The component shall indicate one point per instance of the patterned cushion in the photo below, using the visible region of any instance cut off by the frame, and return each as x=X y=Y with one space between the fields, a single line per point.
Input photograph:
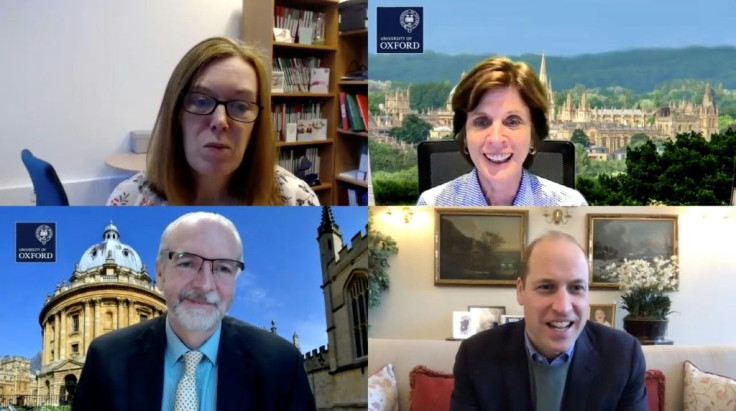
x=654 y=384
x=383 y=391
x=430 y=390
x=706 y=391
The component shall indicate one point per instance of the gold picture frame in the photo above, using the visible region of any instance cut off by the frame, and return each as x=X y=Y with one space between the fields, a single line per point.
x=604 y=314
x=615 y=237
x=479 y=246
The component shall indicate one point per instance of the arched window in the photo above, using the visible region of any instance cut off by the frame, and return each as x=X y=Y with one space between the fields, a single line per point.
x=358 y=292
x=108 y=320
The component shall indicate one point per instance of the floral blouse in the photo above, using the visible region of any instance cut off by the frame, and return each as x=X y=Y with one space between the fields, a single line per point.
x=137 y=191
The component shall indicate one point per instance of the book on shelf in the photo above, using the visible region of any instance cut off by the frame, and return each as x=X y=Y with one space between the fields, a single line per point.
x=364 y=163
x=297 y=72
x=362 y=101
x=302 y=162
x=354 y=116
x=306 y=25
x=343 y=111
x=357 y=196
x=285 y=118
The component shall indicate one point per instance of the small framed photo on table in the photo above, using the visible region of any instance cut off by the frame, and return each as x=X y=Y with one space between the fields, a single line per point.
x=487 y=317
x=511 y=318
x=463 y=324
x=602 y=314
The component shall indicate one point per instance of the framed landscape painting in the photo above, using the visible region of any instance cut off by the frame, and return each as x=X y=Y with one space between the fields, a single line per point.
x=614 y=238
x=479 y=247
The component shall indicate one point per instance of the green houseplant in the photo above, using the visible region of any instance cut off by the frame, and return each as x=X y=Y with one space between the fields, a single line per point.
x=380 y=248
x=644 y=286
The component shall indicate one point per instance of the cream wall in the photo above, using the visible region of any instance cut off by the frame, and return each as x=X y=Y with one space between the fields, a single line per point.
x=78 y=75
x=414 y=308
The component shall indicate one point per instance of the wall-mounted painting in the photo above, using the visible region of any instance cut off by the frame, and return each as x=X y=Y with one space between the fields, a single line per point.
x=478 y=247
x=614 y=238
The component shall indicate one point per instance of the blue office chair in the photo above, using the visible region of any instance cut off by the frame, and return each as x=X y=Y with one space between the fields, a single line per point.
x=46 y=183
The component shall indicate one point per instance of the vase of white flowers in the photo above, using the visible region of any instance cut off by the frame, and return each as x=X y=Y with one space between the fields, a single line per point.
x=643 y=285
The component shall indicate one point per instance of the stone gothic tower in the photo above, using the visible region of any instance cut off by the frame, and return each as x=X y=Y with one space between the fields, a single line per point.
x=708 y=114
x=329 y=239
x=547 y=83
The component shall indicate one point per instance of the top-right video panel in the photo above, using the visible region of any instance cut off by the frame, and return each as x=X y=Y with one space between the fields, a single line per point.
x=552 y=104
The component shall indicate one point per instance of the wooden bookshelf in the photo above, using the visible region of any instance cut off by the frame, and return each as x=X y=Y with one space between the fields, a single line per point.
x=352 y=53
x=257 y=29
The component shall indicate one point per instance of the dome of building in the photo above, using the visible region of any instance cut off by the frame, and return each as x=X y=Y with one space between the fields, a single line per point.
x=110 y=248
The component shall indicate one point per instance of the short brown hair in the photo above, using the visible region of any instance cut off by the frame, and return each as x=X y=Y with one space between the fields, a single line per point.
x=497 y=72
x=551 y=235
x=171 y=177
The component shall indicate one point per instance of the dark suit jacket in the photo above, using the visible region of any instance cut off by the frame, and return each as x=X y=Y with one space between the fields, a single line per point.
x=124 y=370
x=606 y=372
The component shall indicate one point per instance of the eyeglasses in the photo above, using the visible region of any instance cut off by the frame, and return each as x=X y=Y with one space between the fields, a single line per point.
x=238 y=110
x=190 y=264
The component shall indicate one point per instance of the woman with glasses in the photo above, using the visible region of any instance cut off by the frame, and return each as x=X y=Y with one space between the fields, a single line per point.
x=212 y=143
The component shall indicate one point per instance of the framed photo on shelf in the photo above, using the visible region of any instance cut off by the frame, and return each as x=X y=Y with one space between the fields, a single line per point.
x=479 y=247
x=603 y=314
x=613 y=238
x=277 y=82
x=487 y=317
x=463 y=324
x=511 y=318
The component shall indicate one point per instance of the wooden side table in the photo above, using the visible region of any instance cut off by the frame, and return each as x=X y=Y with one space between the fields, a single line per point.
x=127 y=161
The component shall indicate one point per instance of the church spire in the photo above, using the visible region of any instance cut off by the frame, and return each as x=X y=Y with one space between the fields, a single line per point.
x=328 y=224
x=707 y=96
x=543 y=71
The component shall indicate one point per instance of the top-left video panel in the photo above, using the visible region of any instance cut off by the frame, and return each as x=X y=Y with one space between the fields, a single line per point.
x=256 y=103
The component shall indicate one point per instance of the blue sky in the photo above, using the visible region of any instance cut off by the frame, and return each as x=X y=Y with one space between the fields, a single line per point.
x=566 y=27
x=281 y=280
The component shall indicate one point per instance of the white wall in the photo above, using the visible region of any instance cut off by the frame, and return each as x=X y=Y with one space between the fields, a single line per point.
x=414 y=308
x=78 y=75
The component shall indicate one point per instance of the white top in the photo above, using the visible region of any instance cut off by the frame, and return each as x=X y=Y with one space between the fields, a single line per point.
x=533 y=191
x=137 y=191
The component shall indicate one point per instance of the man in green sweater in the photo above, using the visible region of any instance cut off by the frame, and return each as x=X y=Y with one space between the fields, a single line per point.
x=553 y=359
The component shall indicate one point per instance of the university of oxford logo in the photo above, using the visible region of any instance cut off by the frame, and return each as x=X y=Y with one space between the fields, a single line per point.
x=44 y=234
x=409 y=20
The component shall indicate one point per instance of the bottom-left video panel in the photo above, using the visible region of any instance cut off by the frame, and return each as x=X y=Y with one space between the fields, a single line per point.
x=131 y=308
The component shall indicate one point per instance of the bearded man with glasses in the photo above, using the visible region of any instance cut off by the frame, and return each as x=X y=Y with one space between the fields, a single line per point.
x=195 y=357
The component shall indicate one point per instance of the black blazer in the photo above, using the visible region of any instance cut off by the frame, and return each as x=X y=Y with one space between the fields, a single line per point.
x=606 y=373
x=124 y=370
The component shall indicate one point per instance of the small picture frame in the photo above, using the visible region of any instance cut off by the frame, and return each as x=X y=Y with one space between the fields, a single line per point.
x=463 y=324
x=505 y=319
x=487 y=317
x=604 y=314
x=277 y=82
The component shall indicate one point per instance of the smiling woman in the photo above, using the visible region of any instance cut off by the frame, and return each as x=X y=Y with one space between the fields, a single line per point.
x=500 y=115
x=204 y=154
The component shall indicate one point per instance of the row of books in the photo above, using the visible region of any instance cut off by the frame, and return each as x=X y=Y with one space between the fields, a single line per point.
x=298 y=122
x=302 y=162
x=301 y=23
x=362 y=173
x=299 y=75
x=357 y=196
x=353 y=111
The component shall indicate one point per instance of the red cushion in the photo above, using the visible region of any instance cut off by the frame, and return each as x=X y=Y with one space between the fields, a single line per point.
x=655 y=390
x=430 y=390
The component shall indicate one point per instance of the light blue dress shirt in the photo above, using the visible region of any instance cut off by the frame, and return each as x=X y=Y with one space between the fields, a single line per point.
x=206 y=376
x=539 y=358
x=533 y=191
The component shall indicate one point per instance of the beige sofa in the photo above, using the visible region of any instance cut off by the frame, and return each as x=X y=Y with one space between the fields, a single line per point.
x=440 y=356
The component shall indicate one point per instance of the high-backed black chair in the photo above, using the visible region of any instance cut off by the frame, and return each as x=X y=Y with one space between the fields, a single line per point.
x=46 y=183
x=441 y=161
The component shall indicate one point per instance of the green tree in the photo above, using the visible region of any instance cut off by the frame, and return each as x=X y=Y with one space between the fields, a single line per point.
x=689 y=171
x=638 y=139
x=579 y=137
x=385 y=157
x=429 y=95
x=374 y=99
x=413 y=129
x=724 y=121
x=397 y=188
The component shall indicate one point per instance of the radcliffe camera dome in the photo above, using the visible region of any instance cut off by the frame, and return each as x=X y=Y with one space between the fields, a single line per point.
x=110 y=248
